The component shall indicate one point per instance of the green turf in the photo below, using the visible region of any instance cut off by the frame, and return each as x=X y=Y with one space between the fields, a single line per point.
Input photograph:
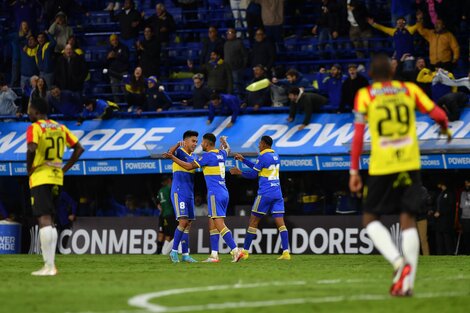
x=104 y=283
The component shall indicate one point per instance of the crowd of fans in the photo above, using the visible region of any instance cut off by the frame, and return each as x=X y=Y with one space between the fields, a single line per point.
x=136 y=62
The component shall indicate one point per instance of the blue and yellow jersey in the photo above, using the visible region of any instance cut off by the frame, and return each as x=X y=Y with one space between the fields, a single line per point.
x=183 y=180
x=213 y=167
x=267 y=165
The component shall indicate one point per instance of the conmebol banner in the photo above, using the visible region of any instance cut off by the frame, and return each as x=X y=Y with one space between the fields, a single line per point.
x=327 y=134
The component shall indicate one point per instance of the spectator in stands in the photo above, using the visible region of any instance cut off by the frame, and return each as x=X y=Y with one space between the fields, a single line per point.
x=73 y=42
x=201 y=93
x=402 y=36
x=272 y=14
x=443 y=46
x=253 y=19
x=210 y=43
x=331 y=85
x=135 y=89
x=148 y=51
x=18 y=41
x=438 y=90
x=359 y=29
x=157 y=99
x=259 y=97
x=129 y=20
x=308 y=103
x=328 y=25
x=68 y=7
x=64 y=102
x=224 y=104
x=28 y=66
x=97 y=109
x=162 y=23
x=402 y=9
x=60 y=31
x=40 y=91
x=218 y=73
x=464 y=217
x=45 y=56
x=236 y=57
x=200 y=206
x=350 y=86
x=117 y=63
x=28 y=89
x=444 y=220
x=7 y=99
x=293 y=79
x=70 y=71
x=263 y=51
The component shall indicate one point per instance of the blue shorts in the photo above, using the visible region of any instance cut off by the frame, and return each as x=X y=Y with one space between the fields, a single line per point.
x=264 y=205
x=183 y=206
x=217 y=204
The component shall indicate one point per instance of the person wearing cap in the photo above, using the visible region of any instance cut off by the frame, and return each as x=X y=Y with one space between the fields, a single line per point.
x=117 y=64
x=260 y=97
x=224 y=104
x=60 y=31
x=331 y=85
x=157 y=99
x=350 y=86
x=148 y=52
x=97 y=108
x=201 y=93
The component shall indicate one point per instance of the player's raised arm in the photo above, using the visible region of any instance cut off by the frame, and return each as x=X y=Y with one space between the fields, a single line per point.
x=173 y=149
x=187 y=166
x=224 y=144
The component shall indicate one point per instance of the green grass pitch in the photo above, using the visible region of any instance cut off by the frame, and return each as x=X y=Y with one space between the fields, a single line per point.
x=261 y=284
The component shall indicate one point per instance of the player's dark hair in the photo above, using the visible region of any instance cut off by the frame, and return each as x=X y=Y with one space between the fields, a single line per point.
x=190 y=133
x=381 y=67
x=40 y=105
x=267 y=140
x=210 y=137
x=294 y=91
x=214 y=96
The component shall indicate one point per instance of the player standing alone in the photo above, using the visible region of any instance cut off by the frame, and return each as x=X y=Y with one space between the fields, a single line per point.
x=212 y=163
x=46 y=141
x=269 y=199
x=394 y=182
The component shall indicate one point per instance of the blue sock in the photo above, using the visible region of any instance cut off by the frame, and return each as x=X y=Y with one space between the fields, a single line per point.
x=215 y=236
x=227 y=235
x=185 y=243
x=284 y=238
x=177 y=238
x=250 y=235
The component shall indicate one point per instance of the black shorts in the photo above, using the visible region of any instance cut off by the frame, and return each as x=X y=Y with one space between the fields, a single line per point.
x=393 y=193
x=43 y=199
x=169 y=225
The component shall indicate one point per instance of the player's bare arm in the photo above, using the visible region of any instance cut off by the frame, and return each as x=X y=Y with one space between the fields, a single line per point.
x=187 y=166
x=77 y=152
x=235 y=171
x=30 y=154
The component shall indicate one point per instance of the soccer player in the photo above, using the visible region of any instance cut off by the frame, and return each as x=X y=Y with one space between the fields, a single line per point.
x=212 y=163
x=182 y=194
x=269 y=199
x=46 y=140
x=167 y=219
x=394 y=182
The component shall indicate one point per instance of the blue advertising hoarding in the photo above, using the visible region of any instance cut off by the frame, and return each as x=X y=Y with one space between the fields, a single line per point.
x=124 y=146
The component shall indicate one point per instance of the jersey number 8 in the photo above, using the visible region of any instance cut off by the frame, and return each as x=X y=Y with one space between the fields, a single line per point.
x=222 y=169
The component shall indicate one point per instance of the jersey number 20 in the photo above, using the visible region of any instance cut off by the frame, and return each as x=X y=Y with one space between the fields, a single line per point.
x=55 y=148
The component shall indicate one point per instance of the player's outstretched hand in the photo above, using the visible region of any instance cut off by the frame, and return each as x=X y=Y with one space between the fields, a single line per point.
x=167 y=155
x=355 y=183
x=448 y=133
x=235 y=171
x=239 y=157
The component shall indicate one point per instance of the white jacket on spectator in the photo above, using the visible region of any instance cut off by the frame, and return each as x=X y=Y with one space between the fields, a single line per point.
x=7 y=101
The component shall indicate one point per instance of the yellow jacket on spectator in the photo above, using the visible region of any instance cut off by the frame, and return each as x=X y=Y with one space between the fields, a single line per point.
x=443 y=46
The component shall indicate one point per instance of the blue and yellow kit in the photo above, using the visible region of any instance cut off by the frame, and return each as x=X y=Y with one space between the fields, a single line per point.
x=182 y=187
